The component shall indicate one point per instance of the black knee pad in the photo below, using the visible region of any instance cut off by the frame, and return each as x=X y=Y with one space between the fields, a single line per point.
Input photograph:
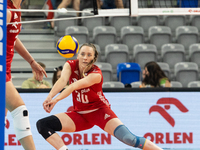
x=47 y=126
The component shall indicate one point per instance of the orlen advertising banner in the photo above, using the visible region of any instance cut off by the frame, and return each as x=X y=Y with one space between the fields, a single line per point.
x=169 y=119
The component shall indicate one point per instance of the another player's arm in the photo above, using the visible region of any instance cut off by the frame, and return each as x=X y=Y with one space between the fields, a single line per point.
x=21 y=49
x=88 y=81
x=8 y=16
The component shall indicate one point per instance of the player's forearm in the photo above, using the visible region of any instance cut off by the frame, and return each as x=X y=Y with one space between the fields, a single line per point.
x=65 y=93
x=58 y=86
x=20 y=48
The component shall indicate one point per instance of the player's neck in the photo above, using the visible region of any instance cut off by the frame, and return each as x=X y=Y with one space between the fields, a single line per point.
x=83 y=71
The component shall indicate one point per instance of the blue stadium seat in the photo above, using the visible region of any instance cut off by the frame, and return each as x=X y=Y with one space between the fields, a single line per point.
x=128 y=72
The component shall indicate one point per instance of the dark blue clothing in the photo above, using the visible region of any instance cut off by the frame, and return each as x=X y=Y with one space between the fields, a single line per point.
x=108 y=4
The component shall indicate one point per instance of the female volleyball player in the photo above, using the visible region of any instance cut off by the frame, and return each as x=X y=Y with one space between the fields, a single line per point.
x=90 y=105
x=153 y=76
x=14 y=102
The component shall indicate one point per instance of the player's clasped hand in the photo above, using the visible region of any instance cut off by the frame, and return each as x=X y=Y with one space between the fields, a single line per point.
x=48 y=104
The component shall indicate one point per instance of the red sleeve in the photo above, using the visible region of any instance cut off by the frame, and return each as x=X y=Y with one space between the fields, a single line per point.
x=97 y=70
x=72 y=64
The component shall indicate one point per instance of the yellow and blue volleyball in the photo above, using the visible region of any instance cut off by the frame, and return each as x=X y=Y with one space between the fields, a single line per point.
x=67 y=46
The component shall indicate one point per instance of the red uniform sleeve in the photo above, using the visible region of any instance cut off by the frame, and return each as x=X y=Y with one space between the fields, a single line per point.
x=72 y=64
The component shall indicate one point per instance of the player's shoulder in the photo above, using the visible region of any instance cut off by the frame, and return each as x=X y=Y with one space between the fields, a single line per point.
x=96 y=69
x=72 y=61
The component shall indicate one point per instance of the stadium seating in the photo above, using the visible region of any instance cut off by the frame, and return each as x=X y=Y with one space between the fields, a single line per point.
x=91 y=23
x=174 y=21
x=147 y=30
x=128 y=72
x=172 y=54
x=159 y=35
x=60 y=25
x=195 y=21
x=51 y=60
x=104 y=35
x=143 y=53
x=106 y=69
x=194 y=53
x=193 y=84
x=142 y=4
x=37 y=40
x=42 y=49
x=146 y=22
x=131 y=36
x=113 y=84
x=79 y=32
x=186 y=72
x=118 y=22
x=187 y=35
x=136 y=84
x=175 y=84
x=115 y=54
x=163 y=3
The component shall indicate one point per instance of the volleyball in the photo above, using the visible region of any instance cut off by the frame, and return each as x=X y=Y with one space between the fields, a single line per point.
x=67 y=46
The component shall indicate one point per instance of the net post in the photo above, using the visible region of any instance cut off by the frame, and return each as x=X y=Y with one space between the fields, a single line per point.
x=2 y=69
x=134 y=8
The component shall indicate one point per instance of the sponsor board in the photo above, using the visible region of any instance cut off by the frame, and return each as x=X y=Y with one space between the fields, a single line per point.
x=169 y=119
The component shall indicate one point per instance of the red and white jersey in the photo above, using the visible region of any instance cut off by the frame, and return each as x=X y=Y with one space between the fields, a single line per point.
x=12 y=32
x=89 y=98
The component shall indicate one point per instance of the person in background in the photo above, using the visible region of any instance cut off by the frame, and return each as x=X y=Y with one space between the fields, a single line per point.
x=84 y=4
x=153 y=76
x=61 y=4
x=102 y=4
x=65 y=3
x=34 y=83
x=56 y=74
x=111 y=4
x=90 y=106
